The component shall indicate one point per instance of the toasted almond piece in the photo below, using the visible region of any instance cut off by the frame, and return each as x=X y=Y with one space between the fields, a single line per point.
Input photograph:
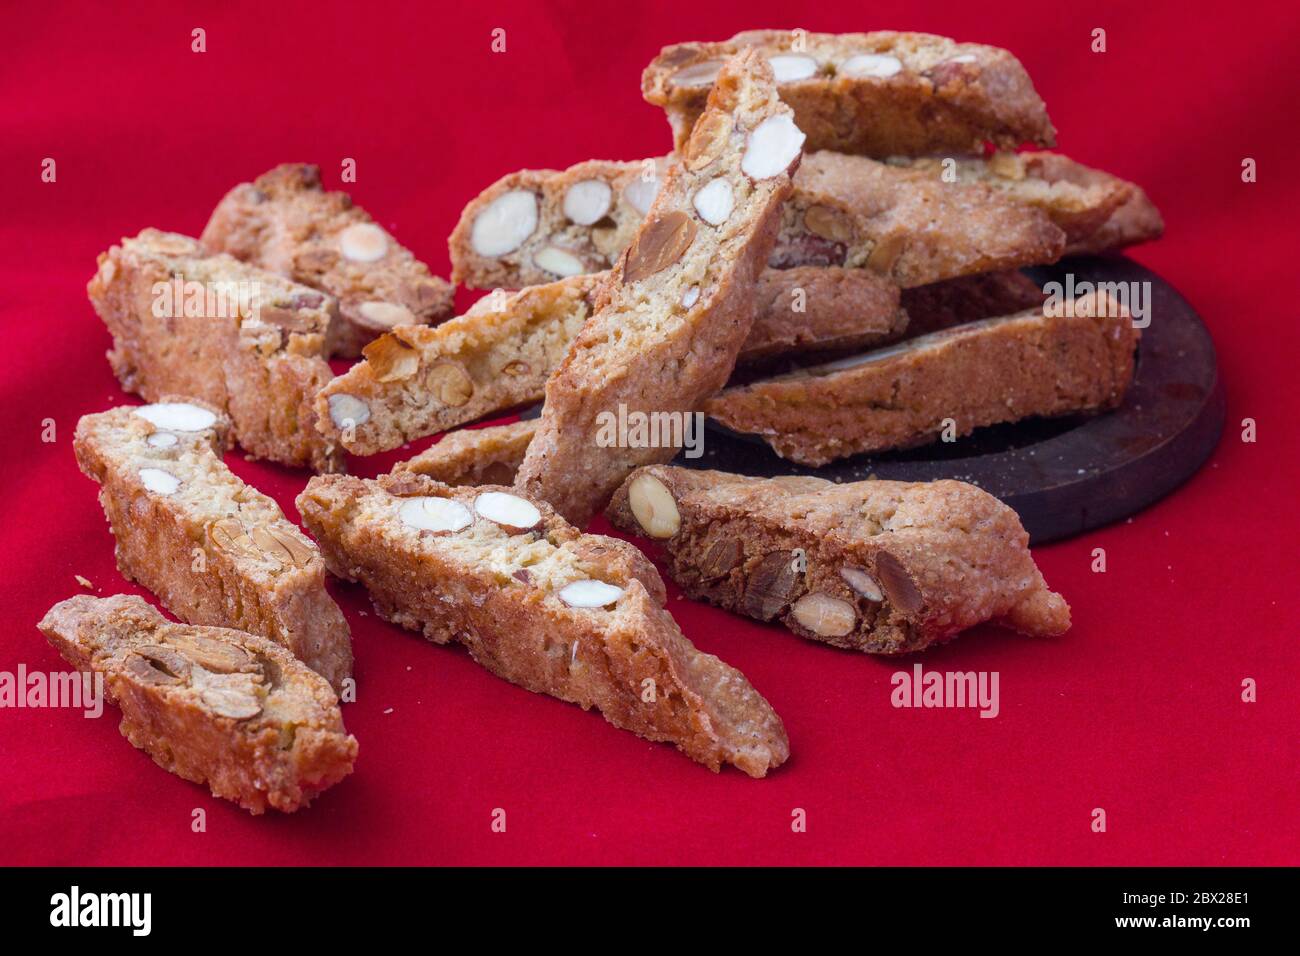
x=450 y=384
x=363 y=242
x=886 y=252
x=653 y=506
x=281 y=547
x=792 y=67
x=861 y=582
x=158 y=481
x=690 y=296
x=435 y=514
x=772 y=585
x=697 y=74
x=513 y=513
x=386 y=313
x=558 y=262
x=235 y=703
x=773 y=147
x=714 y=201
x=391 y=359
x=587 y=202
x=177 y=416
x=658 y=245
x=708 y=139
x=640 y=193
x=590 y=594
x=879 y=65
x=504 y=225
x=230 y=536
x=722 y=555
x=828 y=223
x=164 y=665
x=824 y=615
x=216 y=656
x=162 y=440
x=898 y=584
x=348 y=410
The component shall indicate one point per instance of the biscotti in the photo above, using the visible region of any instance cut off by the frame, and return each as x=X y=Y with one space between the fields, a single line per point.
x=214 y=550
x=475 y=456
x=285 y=222
x=946 y=383
x=578 y=617
x=187 y=322
x=876 y=94
x=1136 y=220
x=885 y=567
x=417 y=381
x=676 y=309
x=215 y=706
x=905 y=224
x=1077 y=198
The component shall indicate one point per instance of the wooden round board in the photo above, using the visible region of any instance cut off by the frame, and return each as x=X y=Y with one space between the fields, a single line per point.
x=1063 y=476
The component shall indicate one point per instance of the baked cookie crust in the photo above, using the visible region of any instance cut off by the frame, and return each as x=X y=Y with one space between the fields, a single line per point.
x=215 y=551
x=579 y=617
x=212 y=705
x=884 y=567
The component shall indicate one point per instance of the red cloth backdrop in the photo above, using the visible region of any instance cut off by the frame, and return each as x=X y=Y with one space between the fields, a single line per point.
x=1136 y=710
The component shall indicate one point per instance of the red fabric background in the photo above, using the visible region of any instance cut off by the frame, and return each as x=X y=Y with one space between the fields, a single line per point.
x=1136 y=710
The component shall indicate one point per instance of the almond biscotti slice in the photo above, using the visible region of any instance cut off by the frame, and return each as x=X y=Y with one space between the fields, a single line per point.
x=1079 y=199
x=907 y=224
x=474 y=456
x=982 y=373
x=875 y=94
x=678 y=306
x=187 y=322
x=212 y=705
x=213 y=549
x=576 y=616
x=284 y=221
x=418 y=381
x=884 y=567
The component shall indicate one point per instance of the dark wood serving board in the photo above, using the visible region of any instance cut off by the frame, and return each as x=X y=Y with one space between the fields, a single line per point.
x=1063 y=476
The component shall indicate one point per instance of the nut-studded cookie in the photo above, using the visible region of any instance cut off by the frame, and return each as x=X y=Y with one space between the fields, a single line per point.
x=214 y=550
x=884 y=567
x=285 y=222
x=576 y=616
x=1037 y=362
x=875 y=94
x=215 y=706
x=678 y=306
x=187 y=322
x=417 y=381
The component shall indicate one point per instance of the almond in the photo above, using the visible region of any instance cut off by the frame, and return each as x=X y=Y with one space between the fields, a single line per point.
x=390 y=359
x=659 y=244
x=439 y=515
x=587 y=202
x=653 y=506
x=590 y=594
x=213 y=655
x=504 y=225
x=177 y=416
x=156 y=665
x=861 y=582
x=511 y=512
x=280 y=546
x=772 y=585
x=824 y=615
x=450 y=384
x=897 y=584
x=828 y=223
x=708 y=139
